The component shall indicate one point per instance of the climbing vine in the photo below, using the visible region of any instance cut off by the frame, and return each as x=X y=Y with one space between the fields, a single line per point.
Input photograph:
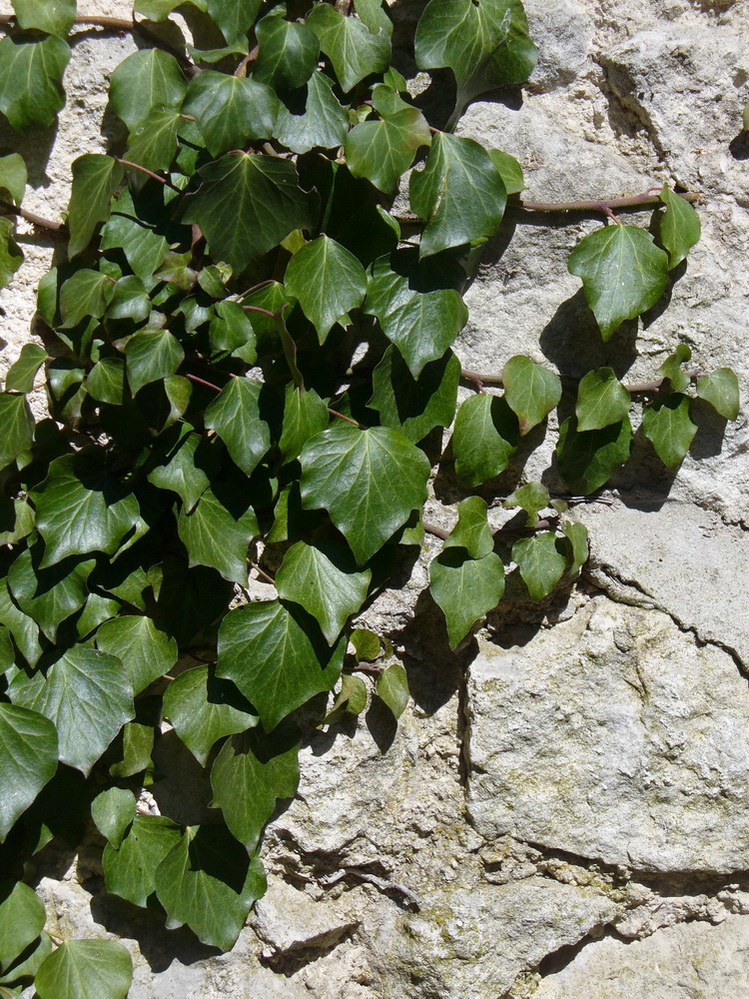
x=246 y=344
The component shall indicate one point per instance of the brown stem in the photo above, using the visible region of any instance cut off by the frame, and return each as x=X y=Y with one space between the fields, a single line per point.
x=438 y=532
x=256 y=308
x=202 y=381
x=149 y=173
x=605 y=206
x=479 y=380
x=8 y=209
x=251 y=56
x=348 y=419
x=263 y=575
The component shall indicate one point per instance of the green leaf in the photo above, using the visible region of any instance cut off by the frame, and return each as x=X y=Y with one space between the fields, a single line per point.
x=351 y=700
x=13 y=177
x=532 y=497
x=415 y=405
x=28 y=964
x=11 y=254
x=484 y=42
x=233 y=17
x=235 y=416
x=49 y=596
x=309 y=578
x=22 y=372
x=23 y=629
x=153 y=142
x=273 y=660
x=472 y=531
x=31 y=71
x=22 y=919
x=204 y=709
x=465 y=589
x=680 y=227
x=208 y=882
x=137 y=747
x=352 y=48
x=323 y=123
x=327 y=281
x=422 y=325
x=145 y=651
x=288 y=53
x=671 y=368
x=147 y=79
x=17 y=427
x=392 y=688
x=577 y=535
x=485 y=438
x=80 y=969
x=369 y=481
x=231 y=111
x=95 y=179
x=721 y=390
x=232 y=330
x=16 y=520
x=143 y=247
x=383 y=150
x=219 y=537
x=152 y=355
x=247 y=205
x=157 y=10
x=509 y=170
x=251 y=773
x=54 y=17
x=28 y=759
x=113 y=811
x=88 y=697
x=588 y=459
x=130 y=300
x=86 y=293
x=623 y=273
x=304 y=415
x=106 y=381
x=185 y=467
x=459 y=193
x=531 y=391
x=130 y=868
x=666 y=423
x=540 y=562
x=601 y=400
x=81 y=509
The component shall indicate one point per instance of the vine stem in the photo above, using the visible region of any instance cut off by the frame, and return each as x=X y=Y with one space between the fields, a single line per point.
x=149 y=173
x=8 y=209
x=348 y=419
x=605 y=206
x=202 y=381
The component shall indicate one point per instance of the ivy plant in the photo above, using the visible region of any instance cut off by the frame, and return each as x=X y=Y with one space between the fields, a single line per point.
x=248 y=359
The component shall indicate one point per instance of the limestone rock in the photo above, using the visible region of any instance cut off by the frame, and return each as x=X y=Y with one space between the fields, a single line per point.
x=562 y=31
x=288 y=920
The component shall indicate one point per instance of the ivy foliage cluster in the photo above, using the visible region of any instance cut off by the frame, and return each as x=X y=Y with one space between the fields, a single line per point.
x=248 y=356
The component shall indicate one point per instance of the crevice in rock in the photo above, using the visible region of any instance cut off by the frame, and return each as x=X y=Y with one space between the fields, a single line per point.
x=626 y=115
x=290 y=962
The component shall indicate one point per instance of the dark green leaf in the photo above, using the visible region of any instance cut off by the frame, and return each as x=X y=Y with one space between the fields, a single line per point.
x=54 y=17
x=588 y=459
x=22 y=918
x=623 y=273
x=148 y=79
x=304 y=415
x=532 y=497
x=383 y=150
x=106 y=381
x=113 y=811
x=577 y=535
x=672 y=368
x=95 y=179
x=392 y=688
x=485 y=438
x=415 y=405
x=509 y=170
x=218 y=537
x=231 y=111
x=13 y=177
x=184 y=468
x=80 y=969
x=153 y=142
x=145 y=651
x=234 y=17
x=369 y=481
x=49 y=596
x=273 y=660
x=232 y=330
x=601 y=400
x=288 y=53
x=137 y=747
x=31 y=70
x=667 y=424
x=324 y=123
x=721 y=390
x=23 y=628
x=22 y=372
x=540 y=562
x=531 y=391
x=28 y=759
x=130 y=869
x=465 y=589
x=351 y=700
x=17 y=427
x=143 y=247
x=130 y=300
x=11 y=254
x=29 y=963
x=680 y=227
x=157 y=10
x=250 y=774
x=235 y=417
x=472 y=530
x=327 y=281
x=16 y=520
x=352 y=48
x=86 y=293
x=151 y=355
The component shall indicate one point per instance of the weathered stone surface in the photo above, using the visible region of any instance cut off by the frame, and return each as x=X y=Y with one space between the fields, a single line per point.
x=612 y=737
x=287 y=920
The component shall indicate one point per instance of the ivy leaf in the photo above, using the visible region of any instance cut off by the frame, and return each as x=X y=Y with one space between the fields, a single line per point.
x=16 y=520
x=204 y=709
x=106 y=381
x=79 y=969
x=369 y=481
x=54 y=17
x=113 y=811
x=130 y=868
x=153 y=142
x=309 y=578
x=577 y=535
x=680 y=227
x=233 y=17
x=601 y=400
x=95 y=179
x=142 y=245
x=231 y=111
x=288 y=53
x=327 y=281
x=304 y=415
x=485 y=438
x=158 y=10
x=81 y=509
x=88 y=697
x=392 y=689
x=184 y=468
x=383 y=150
x=623 y=273
x=666 y=423
x=532 y=497
x=130 y=300
x=18 y=427
x=23 y=629
x=251 y=773
x=31 y=71
x=219 y=537
x=137 y=747
x=351 y=700
x=459 y=193
x=465 y=589
x=588 y=459
x=273 y=660
x=86 y=294
x=415 y=405
x=11 y=254
x=352 y=48
x=540 y=562
x=485 y=43
x=150 y=356
x=235 y=417
x=146 y=80
x=509 y=170
x=22 y=372
x=13 y=177
x=247 y=205
x=472 y=531
x=531 y=391
x=422 y=325
x=721 y=390
x=208 y=882
x=323 y=123
x=49 y=596
x=145 y=651
x=22 y=919
x=28 y=759
x=232 y=330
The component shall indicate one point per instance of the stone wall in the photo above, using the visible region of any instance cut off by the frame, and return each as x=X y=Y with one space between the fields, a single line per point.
x=562 y=812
